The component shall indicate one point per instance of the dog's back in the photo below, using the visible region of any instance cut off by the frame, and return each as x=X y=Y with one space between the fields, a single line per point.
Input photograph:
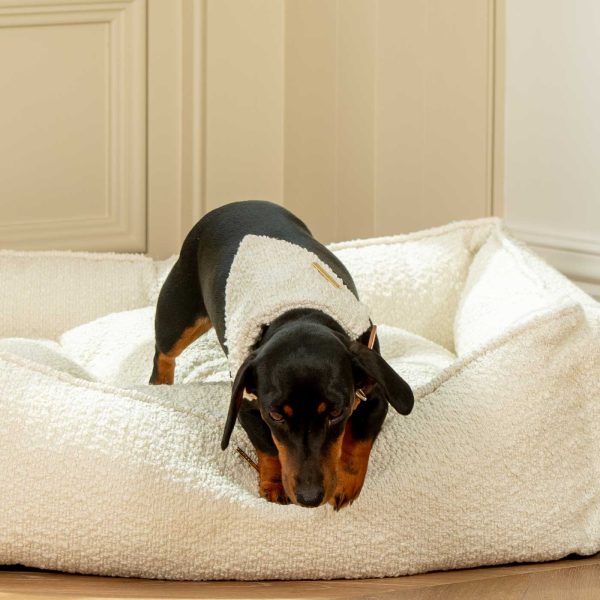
x=210 y=247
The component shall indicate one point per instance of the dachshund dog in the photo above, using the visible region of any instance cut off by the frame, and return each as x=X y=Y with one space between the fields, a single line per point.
x=311 y=397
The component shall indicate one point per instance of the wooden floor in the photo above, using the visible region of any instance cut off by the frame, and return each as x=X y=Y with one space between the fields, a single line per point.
x=577 y=579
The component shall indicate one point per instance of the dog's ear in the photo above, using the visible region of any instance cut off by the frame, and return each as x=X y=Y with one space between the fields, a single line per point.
x=370 y=369
x=244 y=379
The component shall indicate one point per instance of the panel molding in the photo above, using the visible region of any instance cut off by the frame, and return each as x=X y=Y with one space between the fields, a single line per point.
x=193 y=190
x=497 y=78
x=557 y=241
x=577 y=258
x=123 y=226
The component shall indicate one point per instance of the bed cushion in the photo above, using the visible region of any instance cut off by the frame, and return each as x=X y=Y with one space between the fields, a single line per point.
x=498 y=462
x=44 y=293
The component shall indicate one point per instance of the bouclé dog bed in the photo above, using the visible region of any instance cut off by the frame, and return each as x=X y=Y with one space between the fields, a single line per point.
x=498 y=462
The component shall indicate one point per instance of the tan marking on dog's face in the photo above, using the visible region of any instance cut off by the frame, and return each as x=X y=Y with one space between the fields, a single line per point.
x=289 y=470
x=329 y=465
x=321 y=408
x=288 y=410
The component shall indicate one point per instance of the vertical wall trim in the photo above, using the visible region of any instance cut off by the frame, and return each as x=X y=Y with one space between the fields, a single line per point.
x=146 y=152
x=374 y=211
x=164 y=193
x=498 y=124
x=284 y=24
x=336 y=144
x=489 y=193
x=202 y=82
x=176 y=104
x=193 y=114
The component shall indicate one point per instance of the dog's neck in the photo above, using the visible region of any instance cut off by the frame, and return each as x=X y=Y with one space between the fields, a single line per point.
x=292 y=317
x=311 y=315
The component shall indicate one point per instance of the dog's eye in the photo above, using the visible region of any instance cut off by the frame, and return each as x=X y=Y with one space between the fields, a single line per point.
x=335 y=416
x=277 y=417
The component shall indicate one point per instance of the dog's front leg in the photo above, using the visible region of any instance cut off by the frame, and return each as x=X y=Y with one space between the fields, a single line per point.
x=362 y=428
x=270 y=485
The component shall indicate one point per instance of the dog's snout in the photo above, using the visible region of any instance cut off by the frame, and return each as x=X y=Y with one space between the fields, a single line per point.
x=310 y=496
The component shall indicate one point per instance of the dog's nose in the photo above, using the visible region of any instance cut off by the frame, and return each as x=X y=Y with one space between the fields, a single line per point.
x=310 y=497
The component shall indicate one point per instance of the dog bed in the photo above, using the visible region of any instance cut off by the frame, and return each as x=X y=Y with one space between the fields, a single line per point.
x=498 y=462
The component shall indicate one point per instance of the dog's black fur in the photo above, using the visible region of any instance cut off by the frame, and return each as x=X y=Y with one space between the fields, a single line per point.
x=304 y=370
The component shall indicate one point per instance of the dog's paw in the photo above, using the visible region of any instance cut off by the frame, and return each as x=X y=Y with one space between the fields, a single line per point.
x=340 y=501
x=273 y=491
x=349 y=485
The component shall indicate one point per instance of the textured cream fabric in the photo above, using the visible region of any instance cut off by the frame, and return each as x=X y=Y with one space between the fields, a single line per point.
x=498 y=462
x=44 y=293
x=269 y=277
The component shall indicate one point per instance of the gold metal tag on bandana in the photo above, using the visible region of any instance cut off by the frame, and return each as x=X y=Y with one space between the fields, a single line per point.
x=325 y=274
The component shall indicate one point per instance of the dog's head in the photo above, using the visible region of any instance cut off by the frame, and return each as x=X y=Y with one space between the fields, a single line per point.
x=305 y=379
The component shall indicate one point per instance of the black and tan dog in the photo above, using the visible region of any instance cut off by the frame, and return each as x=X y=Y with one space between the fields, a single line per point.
x=298 y=394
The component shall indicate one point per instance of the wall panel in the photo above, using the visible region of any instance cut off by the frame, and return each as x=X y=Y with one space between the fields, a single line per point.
x=72 y=150
x=310 y=113
x=356 y=118
x=244 y=101
x=433 y=113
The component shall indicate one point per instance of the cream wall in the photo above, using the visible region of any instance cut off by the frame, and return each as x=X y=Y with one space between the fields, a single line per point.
x=552 y=157
x=388 y=108
x=365 y=117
